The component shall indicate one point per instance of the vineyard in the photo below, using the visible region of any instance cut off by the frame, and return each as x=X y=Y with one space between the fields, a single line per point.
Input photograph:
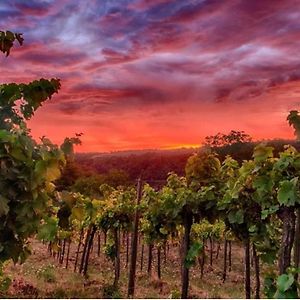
x=204 y=216
x=204 y=222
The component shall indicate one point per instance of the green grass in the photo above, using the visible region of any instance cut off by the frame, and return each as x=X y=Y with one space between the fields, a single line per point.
x=47 y=273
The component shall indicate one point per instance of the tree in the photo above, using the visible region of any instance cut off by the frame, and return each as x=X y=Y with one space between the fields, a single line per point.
x=233 y=137
x=90 y=185
x=294 y=120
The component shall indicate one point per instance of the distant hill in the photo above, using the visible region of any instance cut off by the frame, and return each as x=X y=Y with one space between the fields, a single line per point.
x=151 y=164
x=156 y=164
x=137 y=152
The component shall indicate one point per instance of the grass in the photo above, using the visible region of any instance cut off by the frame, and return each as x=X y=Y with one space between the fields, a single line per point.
x=43 y=277
x=47 y=273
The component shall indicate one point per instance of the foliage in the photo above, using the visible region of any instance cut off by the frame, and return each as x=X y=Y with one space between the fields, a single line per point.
x=204 y=230
x=27 y=168
x=294 y=120
x=233 y=137
x=164 y=210
x=27 y=172
x=90 y=185
x=70 y=174
x=48 y=229
x=117 y=208
x=31 y=96
x=154 y=165
x=284 y=286
x=7 y=39
x=192 y=254
x=202 y=168
x=110 y=248
x=68 y=145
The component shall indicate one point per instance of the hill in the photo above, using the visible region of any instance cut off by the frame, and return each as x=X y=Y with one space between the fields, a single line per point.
x=154 y=164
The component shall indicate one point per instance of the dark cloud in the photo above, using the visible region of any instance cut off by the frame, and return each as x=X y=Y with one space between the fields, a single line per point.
x=56 y=58
x=71 y=107
x=191 y=11
x=33 y=8
x=284 y=78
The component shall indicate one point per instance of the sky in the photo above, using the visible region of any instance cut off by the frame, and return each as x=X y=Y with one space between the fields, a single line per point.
x=139 y=74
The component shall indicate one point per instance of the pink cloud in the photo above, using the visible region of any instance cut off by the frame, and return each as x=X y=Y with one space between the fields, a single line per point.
x=145 y=74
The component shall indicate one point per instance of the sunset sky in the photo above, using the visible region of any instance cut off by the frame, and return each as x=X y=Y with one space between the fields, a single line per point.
x=157 y=73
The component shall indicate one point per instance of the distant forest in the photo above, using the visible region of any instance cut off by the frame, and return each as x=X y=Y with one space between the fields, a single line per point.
x=89 y=170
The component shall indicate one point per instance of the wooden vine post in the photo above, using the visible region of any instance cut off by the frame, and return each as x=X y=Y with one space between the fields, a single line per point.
x=188 y=221
x=134 y=244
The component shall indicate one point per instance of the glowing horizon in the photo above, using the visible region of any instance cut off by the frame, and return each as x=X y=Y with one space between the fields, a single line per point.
x=140 y=74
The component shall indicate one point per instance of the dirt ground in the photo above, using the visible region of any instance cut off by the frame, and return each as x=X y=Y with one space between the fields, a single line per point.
x=41 y=276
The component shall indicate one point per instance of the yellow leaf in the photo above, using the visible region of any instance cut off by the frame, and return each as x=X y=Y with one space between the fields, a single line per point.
x=53 y=171
x=78 y=213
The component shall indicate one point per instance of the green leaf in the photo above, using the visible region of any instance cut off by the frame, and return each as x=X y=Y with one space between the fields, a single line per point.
x=271 y=210
x=262 y=153
x=18 y=154
x=263 y=184
x=5 y=136
x=192 y=254
x=236 y=217
x=253 y=229
x=284 y=282
x=90 y=209
x=49 y=171
x=287 y=194
x=269 y=287
x=268 y=257
x=48 y=231
x=40 y=169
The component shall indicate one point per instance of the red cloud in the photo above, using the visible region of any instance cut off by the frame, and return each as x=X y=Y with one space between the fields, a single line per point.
x=158 y=73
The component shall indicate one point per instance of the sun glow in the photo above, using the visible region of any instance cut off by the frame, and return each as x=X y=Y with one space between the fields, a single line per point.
x=181 y=146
